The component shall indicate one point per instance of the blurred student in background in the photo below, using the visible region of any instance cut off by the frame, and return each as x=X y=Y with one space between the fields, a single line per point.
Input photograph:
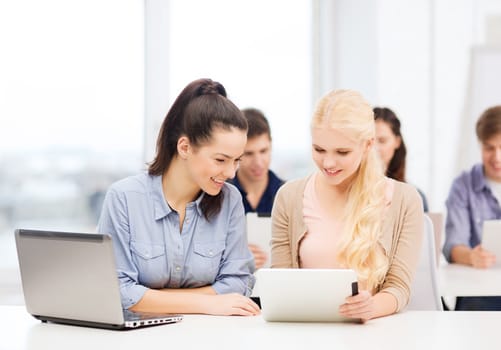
x=391 y=146
x=255 y=181
x=179 y=229
x=474 y=197
x=348 y=214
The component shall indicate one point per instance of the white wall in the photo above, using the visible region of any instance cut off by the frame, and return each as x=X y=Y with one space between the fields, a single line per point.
x=453 y=37
x=260 y=55
x=156 y=72
x=404 y=75
x=414 y=57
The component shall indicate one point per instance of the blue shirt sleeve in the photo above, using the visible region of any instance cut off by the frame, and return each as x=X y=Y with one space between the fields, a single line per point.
x=457 y=225
x=237 y=263
x=114 y=221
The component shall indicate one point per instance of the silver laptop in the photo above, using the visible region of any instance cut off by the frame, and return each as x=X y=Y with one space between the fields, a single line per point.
x=259 y=232
x=71 y=278
x=491 y=238
x=305 y=295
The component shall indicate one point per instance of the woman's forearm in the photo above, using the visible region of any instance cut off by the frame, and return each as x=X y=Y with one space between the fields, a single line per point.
x=175 y=300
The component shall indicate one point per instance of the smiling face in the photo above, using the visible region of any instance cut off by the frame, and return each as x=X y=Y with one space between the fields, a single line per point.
x=491 y=157
x=211 y=164
x=256 y=159
x=337 y=155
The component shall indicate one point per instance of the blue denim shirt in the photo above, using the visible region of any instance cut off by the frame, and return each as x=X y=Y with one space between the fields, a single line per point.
x=469 y=204
x=266 y=202
x=151 y=252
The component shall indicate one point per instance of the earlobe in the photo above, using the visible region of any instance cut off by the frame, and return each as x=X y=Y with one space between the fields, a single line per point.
x=183 y=147
x=399 y=142
x=370 y=144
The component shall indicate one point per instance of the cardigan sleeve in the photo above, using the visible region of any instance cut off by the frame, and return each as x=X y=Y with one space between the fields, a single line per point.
x=407 y=239
x=281 y=248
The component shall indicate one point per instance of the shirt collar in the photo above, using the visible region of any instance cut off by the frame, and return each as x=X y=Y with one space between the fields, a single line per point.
x=238 y=185
x=274 y=182
x=478 y=178
x=198 y=201
x=162 y=209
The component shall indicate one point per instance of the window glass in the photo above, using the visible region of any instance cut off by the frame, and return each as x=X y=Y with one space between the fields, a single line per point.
x=71 y=107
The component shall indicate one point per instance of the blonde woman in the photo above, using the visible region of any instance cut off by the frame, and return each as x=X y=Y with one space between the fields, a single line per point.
x=348 y=214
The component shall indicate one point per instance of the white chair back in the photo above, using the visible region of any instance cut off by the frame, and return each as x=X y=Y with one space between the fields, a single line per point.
x=437 y=220
x=425 y=293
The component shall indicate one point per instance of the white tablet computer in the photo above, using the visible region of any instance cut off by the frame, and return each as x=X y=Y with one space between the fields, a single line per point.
x=305 y=295
x=491 y=238
x=259 y=232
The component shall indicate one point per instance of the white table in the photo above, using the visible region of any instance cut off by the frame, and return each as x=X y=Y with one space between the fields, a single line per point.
x=462 y=280
x=408 y=330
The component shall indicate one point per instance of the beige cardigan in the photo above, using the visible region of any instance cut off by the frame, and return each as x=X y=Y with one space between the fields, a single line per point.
x=401 y=237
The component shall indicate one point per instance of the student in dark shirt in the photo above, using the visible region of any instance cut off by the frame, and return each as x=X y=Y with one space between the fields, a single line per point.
x=255 y=181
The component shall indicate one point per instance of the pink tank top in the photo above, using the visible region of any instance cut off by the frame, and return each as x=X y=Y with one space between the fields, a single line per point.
x=318 y=248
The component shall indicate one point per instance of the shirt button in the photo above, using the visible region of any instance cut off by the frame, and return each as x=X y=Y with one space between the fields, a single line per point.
x=178 y=268
x=211 y=253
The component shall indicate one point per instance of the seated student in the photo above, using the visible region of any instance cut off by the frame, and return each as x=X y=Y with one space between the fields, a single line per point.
x=348 y=214
x=391 y=147
x=255 y=181
x=179 y=229
x=474 y=197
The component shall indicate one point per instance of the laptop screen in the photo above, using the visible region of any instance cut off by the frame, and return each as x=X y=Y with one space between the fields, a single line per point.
x=70 y=276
